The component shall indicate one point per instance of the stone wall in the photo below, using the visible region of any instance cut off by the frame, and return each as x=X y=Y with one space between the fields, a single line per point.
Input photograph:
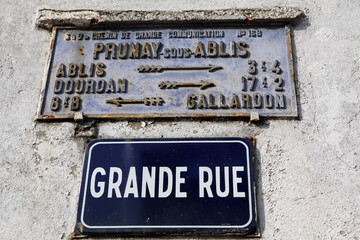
x=307 y=169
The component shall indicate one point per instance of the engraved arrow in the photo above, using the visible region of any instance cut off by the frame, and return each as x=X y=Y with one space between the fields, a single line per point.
x=152 y=68
x=175 y=85
x=147 y=101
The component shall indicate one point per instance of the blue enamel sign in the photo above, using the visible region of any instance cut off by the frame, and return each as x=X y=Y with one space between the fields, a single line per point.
x=167 y=186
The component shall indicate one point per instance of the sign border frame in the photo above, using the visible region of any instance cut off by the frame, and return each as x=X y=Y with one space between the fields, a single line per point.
x=249 y=187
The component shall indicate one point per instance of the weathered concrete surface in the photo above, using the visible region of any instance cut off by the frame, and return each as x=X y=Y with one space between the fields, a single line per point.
x=307 y=170
x=48 y=18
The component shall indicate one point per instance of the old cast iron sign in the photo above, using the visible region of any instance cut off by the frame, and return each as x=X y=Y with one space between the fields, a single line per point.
x=177 y=72
x=167 y=186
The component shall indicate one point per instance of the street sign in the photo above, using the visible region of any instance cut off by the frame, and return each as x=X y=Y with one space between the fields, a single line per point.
x=203 y=72
x=167 y=186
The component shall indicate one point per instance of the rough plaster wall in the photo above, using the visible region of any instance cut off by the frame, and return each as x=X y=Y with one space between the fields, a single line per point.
x=307 y=171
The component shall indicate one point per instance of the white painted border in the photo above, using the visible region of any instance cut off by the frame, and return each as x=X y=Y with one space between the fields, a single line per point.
x=170 y=226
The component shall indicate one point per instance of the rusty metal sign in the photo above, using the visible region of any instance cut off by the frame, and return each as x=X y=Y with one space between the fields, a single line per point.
x=170 y=72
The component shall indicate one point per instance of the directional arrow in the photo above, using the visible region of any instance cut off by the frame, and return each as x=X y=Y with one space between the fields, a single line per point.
x=174 y=85
x=147 y=101
x=152 y=69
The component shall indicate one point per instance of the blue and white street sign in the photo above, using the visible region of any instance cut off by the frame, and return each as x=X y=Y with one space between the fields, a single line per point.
x=167 y=186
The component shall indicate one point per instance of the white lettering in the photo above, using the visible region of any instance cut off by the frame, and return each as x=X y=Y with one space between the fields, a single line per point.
x=226 y=183
x=167 y=192
x=205 y=185
x=237 y=180
x=101 y=185
x=114 y=185
x=220 y=193
x=131 y=184
x=149 y=181
x=179 y=180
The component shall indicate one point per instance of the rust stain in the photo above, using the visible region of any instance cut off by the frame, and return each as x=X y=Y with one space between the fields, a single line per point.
x=53 y=40
x=87 y=141
x=288 y=36
x=95 y=20
x=81 y=49
x=253 y=141
x=52 y=46
x=155 y=116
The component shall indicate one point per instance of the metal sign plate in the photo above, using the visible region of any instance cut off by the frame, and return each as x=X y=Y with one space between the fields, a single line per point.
x=170 y=72
x=167 y=186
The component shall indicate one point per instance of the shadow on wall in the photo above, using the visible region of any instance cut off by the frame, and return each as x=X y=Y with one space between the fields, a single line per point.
x=260 y=210
x=302 y=24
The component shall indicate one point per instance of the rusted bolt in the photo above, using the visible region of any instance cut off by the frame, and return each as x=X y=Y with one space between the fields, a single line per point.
x=248 y=17
x=94 y=20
